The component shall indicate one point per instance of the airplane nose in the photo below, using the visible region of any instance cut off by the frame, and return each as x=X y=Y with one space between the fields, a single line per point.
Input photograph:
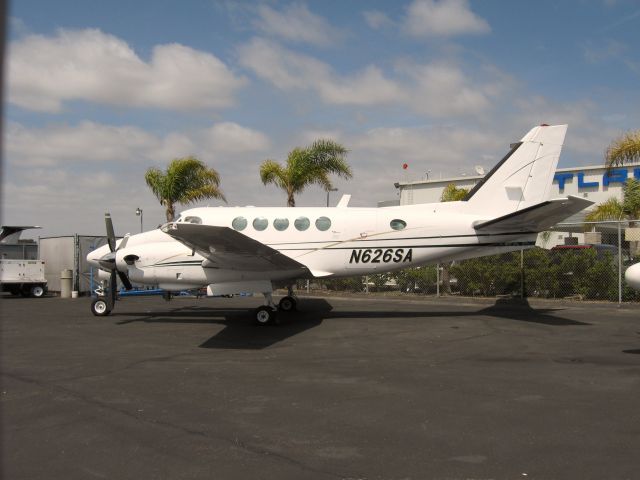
x=94 y=258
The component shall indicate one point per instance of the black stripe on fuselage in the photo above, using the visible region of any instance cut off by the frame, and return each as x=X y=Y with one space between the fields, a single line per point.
x=441 y=245
x=473 y=235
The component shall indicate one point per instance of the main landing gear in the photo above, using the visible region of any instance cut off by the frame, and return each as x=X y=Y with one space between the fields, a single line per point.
x=267 y=314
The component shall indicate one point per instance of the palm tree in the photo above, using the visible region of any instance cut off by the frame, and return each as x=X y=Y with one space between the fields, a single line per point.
x=185 y=180
x=453 y=194
x=614 y=209
x=609 y=210
x=306 y=166
x=624 y=149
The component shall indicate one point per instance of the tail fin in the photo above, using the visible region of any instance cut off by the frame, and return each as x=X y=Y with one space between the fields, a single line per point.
x=523 y=177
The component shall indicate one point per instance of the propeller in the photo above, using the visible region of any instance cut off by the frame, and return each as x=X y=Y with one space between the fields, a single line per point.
x=108 y=261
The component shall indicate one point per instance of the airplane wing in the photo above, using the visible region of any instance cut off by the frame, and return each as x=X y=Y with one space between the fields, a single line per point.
x=537 y=217
x=229 y=249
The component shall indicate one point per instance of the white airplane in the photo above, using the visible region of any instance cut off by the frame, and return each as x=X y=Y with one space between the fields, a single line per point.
x=632 y=276
x=249 y=249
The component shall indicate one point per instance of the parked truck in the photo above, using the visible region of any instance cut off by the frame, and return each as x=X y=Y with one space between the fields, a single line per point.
x=21 y=271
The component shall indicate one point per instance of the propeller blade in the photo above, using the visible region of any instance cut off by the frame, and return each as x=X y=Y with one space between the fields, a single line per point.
x=124 y=241
x=125 y=280
x=111 y=236
x=113 y=285
x=108 y=261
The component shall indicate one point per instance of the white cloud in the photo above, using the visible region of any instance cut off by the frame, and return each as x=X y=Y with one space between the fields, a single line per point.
x=86 y=168
x=436 y=89
x=229 y=137
x=444 y=90
x=287 y=70
x=89 y=65
x=377 y=19
x=443 y=18
x=296 y=23
x=91 y=143
x=587 y=138
x=86 y=142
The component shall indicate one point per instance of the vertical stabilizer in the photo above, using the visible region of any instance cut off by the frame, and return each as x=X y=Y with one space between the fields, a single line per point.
x=524 y=176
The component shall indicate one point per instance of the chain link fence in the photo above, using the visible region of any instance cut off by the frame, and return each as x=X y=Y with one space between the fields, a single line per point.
x=584 y=261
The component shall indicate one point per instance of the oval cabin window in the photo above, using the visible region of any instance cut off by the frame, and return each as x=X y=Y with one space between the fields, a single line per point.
x=398 y=224
x=302 y=223
x=239 y=223
x=260 y=223
x=281 y=224
x=323 y=224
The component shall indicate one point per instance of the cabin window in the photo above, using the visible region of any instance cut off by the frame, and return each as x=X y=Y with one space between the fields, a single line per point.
x=281 y=224
x=323 y=223
x=196 y=220
x=260 y=223
x=398 y=224
x=302 y=223
x=239 y=223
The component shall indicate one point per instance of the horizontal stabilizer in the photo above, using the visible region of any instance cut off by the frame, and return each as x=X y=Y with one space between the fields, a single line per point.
x=537 y=217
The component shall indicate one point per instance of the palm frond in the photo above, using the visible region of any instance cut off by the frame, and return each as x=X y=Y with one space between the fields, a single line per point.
x=453 y=194
x=185 y=180
x=631 y=198
x=307 y=166
x=272 y=172
x=625 y=149
x=202 y=193
x=610 y=210
x=156 y=180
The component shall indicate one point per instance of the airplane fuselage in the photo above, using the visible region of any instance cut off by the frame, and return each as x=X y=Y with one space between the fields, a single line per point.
x=329 y=242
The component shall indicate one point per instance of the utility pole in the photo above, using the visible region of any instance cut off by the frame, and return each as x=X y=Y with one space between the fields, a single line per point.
x=139 y=214
x=329 y=191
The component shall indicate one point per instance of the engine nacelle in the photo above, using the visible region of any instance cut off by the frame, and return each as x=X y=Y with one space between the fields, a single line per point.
x=103 y=275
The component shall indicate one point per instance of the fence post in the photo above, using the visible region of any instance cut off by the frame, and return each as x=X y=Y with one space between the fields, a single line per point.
x=437 y=280
x=522 y=274
x=619 y=264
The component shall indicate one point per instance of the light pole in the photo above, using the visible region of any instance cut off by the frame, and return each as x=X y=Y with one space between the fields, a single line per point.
x=329 y=191
x=139 y=213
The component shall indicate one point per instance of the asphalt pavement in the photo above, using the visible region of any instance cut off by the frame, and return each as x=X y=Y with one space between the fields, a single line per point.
x=346 y=388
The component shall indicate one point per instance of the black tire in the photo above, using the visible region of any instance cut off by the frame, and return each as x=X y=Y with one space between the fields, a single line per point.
x=287 y=304
x=265 y=315
x=38 y=291
x=100 y=308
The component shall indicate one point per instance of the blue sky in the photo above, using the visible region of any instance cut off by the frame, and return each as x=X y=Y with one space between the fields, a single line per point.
x=97 y=92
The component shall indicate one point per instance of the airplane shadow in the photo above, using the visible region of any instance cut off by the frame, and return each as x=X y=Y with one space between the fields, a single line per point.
x=240 y=332
x=521 y=311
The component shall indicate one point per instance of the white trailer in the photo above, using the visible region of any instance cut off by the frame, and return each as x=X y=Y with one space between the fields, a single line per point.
x=21 y=272
x=23 y=277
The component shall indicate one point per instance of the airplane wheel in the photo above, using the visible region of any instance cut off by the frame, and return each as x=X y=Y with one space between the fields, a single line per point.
x=287 y=304
x=265 y=315
x=100 y=308
x=37 y=291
